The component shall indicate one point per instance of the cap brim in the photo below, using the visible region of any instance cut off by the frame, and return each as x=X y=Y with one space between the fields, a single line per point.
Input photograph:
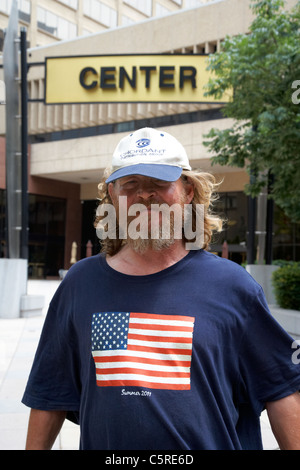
x=157 y=171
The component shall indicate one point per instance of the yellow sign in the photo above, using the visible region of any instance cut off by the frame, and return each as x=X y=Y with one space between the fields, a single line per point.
x=169 y=78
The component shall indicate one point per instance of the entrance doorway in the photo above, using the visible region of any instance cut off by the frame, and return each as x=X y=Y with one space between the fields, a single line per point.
x=46 y=240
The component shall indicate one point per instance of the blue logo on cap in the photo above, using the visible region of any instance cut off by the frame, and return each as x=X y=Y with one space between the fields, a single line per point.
x=142 y=143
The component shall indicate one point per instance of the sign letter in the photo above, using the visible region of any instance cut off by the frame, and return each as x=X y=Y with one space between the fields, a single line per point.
x=166 y=76
x=105 y=77
x=148 y=71
x=187 y=73
x=82 y=78
x=124 y=74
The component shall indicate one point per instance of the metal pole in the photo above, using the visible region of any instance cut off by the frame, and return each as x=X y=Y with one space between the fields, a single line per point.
x=252 y=211
x=13 y=134
x=251 y=230
x=24 y=147
x=261 y=211
x=270 y=218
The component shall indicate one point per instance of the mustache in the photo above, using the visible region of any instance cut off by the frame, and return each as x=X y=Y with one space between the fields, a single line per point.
x=151 y=202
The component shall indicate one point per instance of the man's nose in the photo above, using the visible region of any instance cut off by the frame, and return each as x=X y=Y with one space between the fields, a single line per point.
x=146 y=191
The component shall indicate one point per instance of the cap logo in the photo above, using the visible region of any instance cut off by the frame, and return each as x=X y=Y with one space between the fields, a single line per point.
x=142 y=143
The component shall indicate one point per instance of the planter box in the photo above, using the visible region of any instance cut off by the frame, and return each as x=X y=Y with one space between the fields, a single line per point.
x=32 y=305
x=14 y=301
x=263 y=275
x=288 y=319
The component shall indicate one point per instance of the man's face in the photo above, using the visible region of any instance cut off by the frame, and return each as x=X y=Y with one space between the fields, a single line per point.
x=151 y=193
x=142 y=189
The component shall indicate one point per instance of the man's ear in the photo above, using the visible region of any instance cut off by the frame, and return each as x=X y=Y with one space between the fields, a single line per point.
x=189 y=191
x=111 y=191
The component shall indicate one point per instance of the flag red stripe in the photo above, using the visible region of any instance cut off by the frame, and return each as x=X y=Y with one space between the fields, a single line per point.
x=186 y=352
x=161 y=339
x=142 y=360
x=151 y=373
x=161 y=317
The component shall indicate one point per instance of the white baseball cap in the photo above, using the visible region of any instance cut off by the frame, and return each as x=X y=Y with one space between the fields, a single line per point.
x=149 y=152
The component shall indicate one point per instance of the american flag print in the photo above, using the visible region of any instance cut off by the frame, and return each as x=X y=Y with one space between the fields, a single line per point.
x=142 y=350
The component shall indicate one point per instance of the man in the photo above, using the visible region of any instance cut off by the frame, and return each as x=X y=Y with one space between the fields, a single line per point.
x=154 y=345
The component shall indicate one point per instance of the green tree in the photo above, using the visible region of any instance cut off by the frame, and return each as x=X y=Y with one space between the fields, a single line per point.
x=262 y=70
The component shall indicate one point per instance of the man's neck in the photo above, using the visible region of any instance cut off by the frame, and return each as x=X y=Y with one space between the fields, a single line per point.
x=128 y=261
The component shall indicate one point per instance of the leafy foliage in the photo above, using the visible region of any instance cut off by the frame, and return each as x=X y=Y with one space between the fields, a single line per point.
x=261 y=68
x=286 y=283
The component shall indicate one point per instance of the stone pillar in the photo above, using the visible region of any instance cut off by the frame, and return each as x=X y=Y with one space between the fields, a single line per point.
x=13 y=285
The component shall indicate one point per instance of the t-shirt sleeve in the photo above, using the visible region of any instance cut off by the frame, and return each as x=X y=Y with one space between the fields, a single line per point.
x=54 y=380
x=268 y=370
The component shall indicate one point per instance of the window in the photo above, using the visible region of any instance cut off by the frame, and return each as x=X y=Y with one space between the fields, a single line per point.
x=161 y=11
x=71 y=3
x=100 y=12
x=46 y=235
x=5 y=6
x=24 y=10
x=286 y=238
x=55 y=25
x=232 y=206
x=145 y=6
x=193 y=3
x=23 y=7
x=126 y=21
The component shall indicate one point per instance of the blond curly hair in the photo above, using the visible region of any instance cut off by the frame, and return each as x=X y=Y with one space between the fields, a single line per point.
x=204 y=185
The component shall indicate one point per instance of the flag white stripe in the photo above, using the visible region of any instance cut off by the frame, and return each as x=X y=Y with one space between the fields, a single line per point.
x=177 y=334
x=157 y=344
x=144 y=378
x=152 y=321
x=143 y=354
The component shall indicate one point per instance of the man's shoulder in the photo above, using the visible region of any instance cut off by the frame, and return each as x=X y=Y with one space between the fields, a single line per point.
x=79 y=278
x=83 y=269
x=222 y=268
x=85 y=264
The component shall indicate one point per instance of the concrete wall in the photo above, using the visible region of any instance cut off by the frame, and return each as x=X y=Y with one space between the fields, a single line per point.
x=84 y=159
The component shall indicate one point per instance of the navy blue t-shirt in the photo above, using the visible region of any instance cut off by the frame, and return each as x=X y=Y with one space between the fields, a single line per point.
x=182 y=359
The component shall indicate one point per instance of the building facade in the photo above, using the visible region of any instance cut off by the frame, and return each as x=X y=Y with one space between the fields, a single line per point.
x=71 y=144
x=49 y=21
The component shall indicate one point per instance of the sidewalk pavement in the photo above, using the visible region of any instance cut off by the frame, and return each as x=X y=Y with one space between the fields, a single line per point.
x=18 y=342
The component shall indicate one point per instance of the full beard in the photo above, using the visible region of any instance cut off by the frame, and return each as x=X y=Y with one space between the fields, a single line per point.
x=165 y=235
x=165 y=240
